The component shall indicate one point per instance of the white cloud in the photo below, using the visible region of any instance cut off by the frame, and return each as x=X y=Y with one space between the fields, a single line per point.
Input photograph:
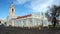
x=20 y=1
x=40 y=5
x=36 y=5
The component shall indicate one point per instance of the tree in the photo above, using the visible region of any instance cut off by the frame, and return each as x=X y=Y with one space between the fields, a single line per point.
x=53 y=14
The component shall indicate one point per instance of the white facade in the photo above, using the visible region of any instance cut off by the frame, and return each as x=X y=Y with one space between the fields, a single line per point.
x=26 y=21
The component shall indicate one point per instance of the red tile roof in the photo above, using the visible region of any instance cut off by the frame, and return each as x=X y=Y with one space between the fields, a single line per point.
x=24 y=16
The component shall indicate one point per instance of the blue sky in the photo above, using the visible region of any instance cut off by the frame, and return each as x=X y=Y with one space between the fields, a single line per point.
x=24 y=7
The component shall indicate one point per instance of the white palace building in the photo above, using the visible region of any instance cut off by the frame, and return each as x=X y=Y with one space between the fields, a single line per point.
x=29 y=20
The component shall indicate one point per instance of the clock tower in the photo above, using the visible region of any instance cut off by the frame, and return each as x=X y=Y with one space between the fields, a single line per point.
x=12 y=10
x=11 y=15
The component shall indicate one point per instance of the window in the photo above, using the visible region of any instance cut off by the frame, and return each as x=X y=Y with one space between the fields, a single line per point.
x=12 y=10
x=0 y=21
x=24 y=21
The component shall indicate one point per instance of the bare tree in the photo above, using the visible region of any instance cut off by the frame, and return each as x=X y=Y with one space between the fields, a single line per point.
x=53 y=14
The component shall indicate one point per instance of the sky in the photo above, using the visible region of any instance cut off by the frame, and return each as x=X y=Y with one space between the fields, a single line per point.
x=24 y=7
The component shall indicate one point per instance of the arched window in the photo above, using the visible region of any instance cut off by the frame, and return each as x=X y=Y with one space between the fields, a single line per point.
x=12 y=10
x=0 y=21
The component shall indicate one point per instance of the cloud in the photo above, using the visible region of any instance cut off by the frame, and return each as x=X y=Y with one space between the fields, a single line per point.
x=40 y=5
x=20 y=1
x=36 y=5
